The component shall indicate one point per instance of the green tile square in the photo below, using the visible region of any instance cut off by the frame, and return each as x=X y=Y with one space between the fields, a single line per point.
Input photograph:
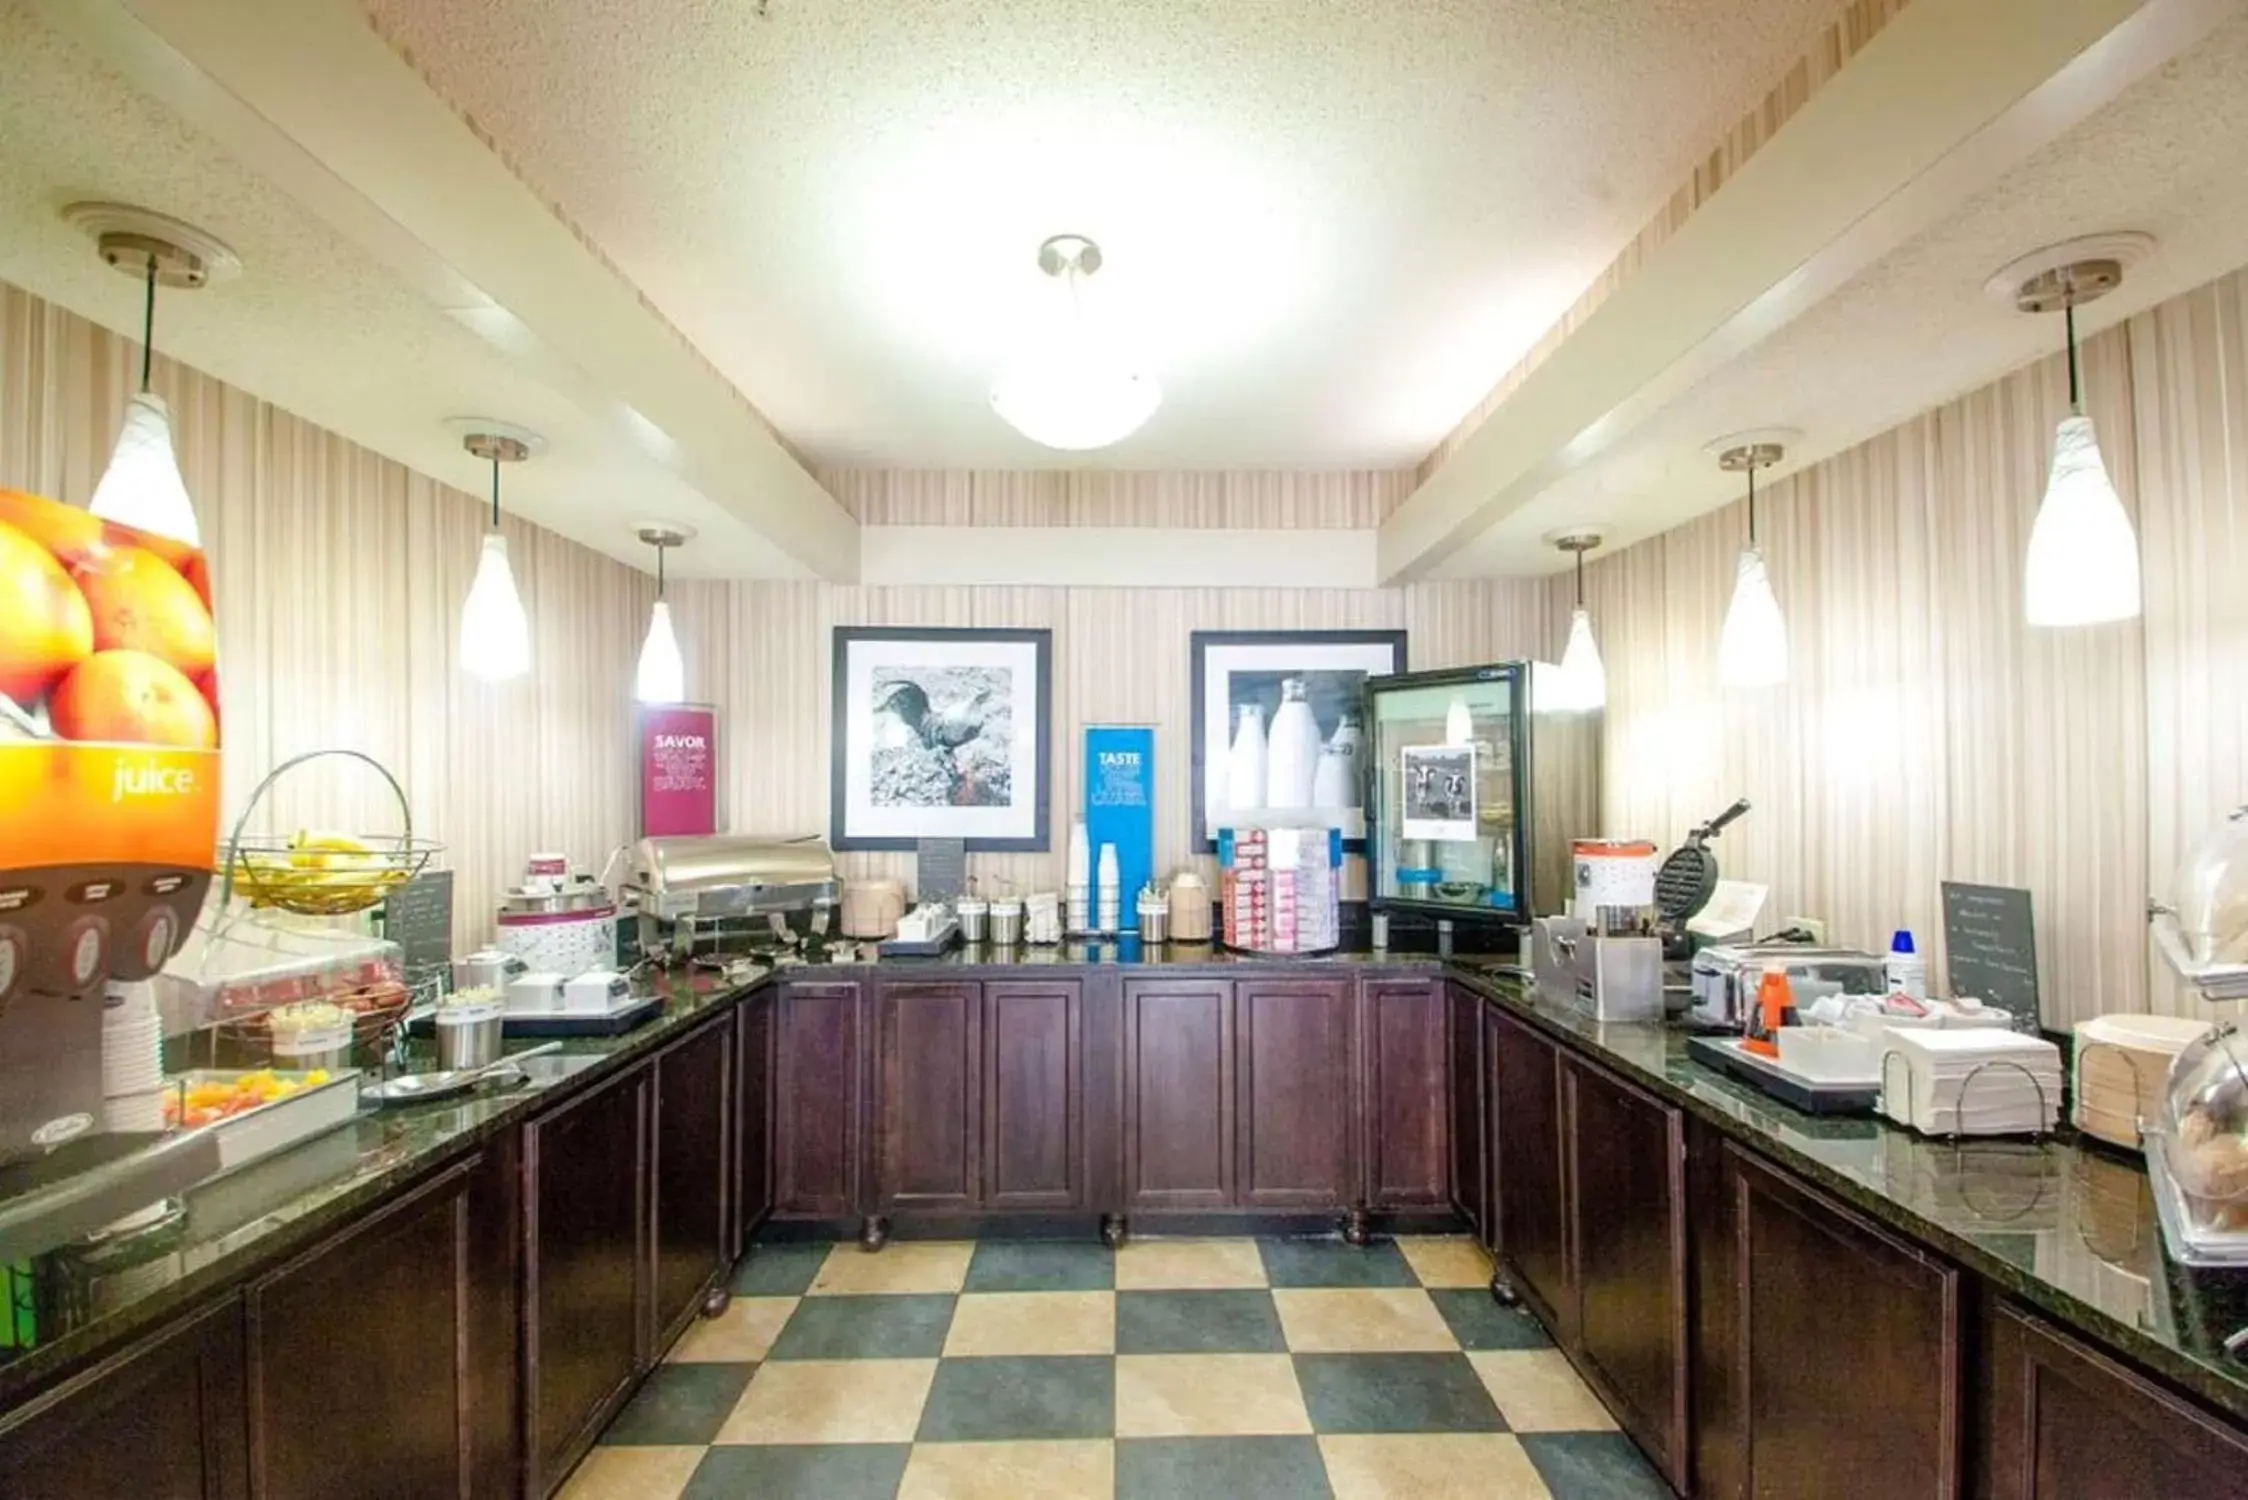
x=1331 y=1262
x=1019 y=1398
x=899 y=1327
x=1593 y=1466
x=679 y=1405
x=1479 y=1322
x=1253 y=1468
x=1042 y=1266
x=1198 y=1323
x=779 y=1270
x=832 y=1471
x=1395 y=1393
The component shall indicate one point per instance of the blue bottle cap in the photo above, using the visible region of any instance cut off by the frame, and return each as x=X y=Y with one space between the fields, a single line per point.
x=1902 y=941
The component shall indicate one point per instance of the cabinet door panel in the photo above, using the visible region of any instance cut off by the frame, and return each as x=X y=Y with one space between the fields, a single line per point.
x=1468 y=1175
x=1033 y=1090
x=816 y=1098
x=1529 y=1184
x=163 y=1420
x=2068 y=1423
x=753 y=1153
x=693 y=1235
x=930 y=1115
x=1628 y=1228
x=1178 y=1094
x=585 y=1221
x=1296 y=1094
x=1407 y=1095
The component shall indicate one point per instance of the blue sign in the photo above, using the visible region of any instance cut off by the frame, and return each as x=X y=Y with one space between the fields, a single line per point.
x=1120 y=809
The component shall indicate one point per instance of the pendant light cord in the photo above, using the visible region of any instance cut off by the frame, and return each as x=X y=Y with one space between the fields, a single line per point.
x=495 y=492
x=1752 y=502
x=1580 y=578
x=2068 y=317
x=148 y=326
x=660 y=551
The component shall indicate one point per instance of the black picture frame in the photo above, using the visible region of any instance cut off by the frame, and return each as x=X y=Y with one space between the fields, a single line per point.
x=840 y=749
x=1202 y=642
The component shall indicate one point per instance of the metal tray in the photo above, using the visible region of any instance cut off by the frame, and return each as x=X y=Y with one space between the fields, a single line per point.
x=1811 y=1095
x=260 y=1132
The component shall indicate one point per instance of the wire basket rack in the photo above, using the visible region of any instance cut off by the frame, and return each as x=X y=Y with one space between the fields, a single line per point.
x=326 y=875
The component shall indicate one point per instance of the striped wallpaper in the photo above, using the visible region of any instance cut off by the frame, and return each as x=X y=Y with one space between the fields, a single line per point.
x=1926 y=732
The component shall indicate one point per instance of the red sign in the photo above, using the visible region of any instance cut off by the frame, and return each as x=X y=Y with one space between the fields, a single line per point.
x=678 y=770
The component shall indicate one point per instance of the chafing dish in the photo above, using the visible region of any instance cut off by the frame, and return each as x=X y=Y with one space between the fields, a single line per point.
x=682 y=888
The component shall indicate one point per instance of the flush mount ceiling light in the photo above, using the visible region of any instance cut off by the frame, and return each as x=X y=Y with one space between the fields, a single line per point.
x=2083 y=563
x=662 y=676
x=1582 y=685
x=495 y=631
x=142 y=487
x=1752 y=649
x=1074 y=390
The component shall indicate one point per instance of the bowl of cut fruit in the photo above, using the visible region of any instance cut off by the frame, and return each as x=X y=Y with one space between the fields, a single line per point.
x=260 y=1111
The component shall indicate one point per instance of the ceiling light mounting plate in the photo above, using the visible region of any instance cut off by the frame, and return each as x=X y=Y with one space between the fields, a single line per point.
x=664 y=534
x=488 y=438
x=1751 y=448
x=1060 y=254
x=1576 y=540
x=132 y=239
x=2072 y=272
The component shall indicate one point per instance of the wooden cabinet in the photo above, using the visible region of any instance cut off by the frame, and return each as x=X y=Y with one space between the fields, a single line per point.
x=1407 y=1098
x=818 y=1065
x=1626 y=1158
x=1295 y=1094
x=691 y=1235
x=1467 y=1175
x=928 y=1097
x=1529 y=1182
x=1793 y=1290
x=753 y=1147
x=395 y=1309
x=161 y=1420
x=584 y=1225
x=2068 y=1423
x=1178 y=1094
x=1034 y=1094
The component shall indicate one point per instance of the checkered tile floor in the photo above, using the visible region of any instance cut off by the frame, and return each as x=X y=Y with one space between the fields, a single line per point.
x=1242 y=1369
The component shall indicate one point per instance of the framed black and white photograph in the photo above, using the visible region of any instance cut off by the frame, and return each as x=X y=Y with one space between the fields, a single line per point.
x=1439 y=801
x=1279 y=726
x=940 y=734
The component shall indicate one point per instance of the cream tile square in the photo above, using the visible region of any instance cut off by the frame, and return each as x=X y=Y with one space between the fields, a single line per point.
x=741 y=1334
x=1188 y=1265
x=832 y=1401
x=1537 y=1391
x=1007 y=1471
x=932 y=1266
x=1431 y=1466
x=1208 y=1395
x=1362 y=1320
x=633 y=1474
x=1449 y=1261
x=1032 y=1323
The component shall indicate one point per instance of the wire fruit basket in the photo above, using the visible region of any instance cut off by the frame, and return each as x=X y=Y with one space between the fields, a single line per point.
x=322 y=874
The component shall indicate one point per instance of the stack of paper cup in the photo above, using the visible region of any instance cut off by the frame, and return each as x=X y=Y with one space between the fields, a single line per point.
x=1080 y=888
x=132 y=1059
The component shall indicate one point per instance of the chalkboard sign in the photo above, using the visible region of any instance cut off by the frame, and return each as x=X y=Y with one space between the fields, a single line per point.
x=418 y=917
x=940 y=869
x=1993 y=947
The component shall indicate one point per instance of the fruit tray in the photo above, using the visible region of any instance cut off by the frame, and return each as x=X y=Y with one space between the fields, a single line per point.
x=276 y=1126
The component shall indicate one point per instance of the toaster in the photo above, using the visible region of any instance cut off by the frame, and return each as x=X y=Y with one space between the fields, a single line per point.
x=1724 y=978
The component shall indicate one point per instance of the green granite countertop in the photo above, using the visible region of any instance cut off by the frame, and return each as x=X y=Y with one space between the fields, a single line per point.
x=2068 y=1229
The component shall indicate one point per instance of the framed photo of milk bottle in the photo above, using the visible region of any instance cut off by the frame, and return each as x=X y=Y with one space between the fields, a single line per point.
x=1280 y=729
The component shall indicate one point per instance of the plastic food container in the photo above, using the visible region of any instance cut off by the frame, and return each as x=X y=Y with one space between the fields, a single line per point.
x=306 y=1047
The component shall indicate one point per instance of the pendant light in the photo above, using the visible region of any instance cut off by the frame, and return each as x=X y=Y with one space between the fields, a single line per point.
x=495 y=632
x=1459 y=722
x=1582 y=686
x=142 y=487
x=1752 y=650
x=1074 y=391
x=662 y=676
x=2083 y=563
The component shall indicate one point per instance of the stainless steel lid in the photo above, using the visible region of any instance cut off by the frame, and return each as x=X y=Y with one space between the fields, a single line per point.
x=673 y=866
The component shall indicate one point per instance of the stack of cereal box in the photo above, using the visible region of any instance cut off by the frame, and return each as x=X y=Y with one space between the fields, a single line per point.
x=1280 y=887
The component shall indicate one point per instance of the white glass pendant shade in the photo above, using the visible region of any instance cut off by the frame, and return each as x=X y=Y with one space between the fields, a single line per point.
x=1584 y=680
x=1073 y=394
x=142 y=487
x=662 y=677
x=1752 y=650
x=1459 y=724
x=2083 y=566
x=495 y=632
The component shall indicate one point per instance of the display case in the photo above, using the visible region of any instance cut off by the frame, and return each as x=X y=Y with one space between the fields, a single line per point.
x=1474 y=795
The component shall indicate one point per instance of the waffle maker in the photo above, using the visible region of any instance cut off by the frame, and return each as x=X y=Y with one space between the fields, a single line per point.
x=1687 y=880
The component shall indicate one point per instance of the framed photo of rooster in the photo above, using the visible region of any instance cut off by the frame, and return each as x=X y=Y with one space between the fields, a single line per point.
x=941 y=734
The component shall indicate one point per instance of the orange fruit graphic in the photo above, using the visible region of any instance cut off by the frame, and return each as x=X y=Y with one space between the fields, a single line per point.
x=207 y=683
x=45 y=626
x=73 y=534
x=141 y=603
x=133 y=697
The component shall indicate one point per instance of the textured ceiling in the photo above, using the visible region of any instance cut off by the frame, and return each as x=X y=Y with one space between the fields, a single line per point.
x=312 y=324
x=1917 y=329
x=1330 y=227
